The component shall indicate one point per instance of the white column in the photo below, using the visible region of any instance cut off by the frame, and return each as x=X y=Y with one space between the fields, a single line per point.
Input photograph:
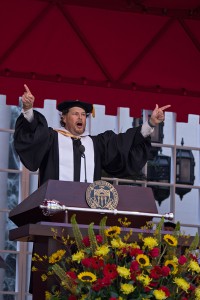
x=5 y=116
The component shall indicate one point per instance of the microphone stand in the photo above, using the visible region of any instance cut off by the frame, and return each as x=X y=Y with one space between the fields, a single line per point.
x=82 y=150
x=83 y=155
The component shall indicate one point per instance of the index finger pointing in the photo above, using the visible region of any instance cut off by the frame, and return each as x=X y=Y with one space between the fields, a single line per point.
x=165 y=107
x=27 y=89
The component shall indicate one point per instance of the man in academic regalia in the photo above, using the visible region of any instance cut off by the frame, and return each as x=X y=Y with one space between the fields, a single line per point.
x=58 y=154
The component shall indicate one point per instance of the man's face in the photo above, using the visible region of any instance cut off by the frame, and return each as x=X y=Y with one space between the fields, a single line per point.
x=75 y=120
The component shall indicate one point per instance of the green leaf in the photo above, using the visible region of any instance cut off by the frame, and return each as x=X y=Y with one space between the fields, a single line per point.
x=158 y=229
x=66 y=280
x=102 y=229
x=195 y=243
x=92 y=238
x=77 y=233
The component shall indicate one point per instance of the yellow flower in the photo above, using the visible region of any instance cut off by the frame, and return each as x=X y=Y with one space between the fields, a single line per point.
x=127 y=288
x=117 y=243
x=102 y=250
x=175 y=259
x=50 y=273
x=113 y=231
x=84 y=296
x=144 y=279
x=125 y=222
x=44 y=277
x=34 y=269
x=194 y=266
x=197 y=293
x=143 y=260
x=123 y=272
x=170 y=240
x=134 y=245
x=159 y=295
x=172 y=265
x=128 y=235
x=78 y=256
x=47 y=295
x=87 y=277
x=150 y=242
x=36 y=257
x=182 y=283
x=134 y=271
x=57 y=256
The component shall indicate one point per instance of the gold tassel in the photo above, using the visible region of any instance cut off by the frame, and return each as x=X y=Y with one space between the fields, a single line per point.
x=66 y=133
x=93 y=111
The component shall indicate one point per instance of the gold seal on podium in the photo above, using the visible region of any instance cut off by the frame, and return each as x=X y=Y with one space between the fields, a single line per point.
x=101 y=194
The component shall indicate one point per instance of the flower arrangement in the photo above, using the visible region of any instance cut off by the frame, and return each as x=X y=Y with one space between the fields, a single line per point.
x=110 y=265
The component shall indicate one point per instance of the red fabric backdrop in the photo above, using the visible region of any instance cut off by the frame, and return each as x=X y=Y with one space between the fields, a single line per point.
x=113 y=52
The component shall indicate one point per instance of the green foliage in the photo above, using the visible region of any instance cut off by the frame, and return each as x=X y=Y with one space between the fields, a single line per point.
x=109 y=266
x=77 y=233
x=92 y=239
x=102 y=229
x=67 y=282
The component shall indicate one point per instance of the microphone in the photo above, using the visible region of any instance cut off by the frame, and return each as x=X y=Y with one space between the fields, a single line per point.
x=82 y=150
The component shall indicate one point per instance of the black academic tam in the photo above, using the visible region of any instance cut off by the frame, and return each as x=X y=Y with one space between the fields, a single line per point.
x=75 y=103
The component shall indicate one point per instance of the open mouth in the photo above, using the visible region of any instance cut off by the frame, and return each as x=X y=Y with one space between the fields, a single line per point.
x=79 y=124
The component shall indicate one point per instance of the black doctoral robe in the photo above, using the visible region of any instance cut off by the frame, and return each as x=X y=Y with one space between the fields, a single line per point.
x=120 y=155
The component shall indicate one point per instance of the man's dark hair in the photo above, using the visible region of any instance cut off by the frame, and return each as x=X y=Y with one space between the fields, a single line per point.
x=64 y=112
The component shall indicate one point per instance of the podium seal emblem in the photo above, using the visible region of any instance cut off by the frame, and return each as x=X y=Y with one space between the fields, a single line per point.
x=101 y=194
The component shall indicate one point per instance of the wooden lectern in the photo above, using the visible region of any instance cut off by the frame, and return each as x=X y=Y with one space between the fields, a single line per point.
x=131 y=198
x=35 y=227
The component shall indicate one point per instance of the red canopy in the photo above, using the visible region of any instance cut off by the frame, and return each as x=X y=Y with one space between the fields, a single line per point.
x=120 y=53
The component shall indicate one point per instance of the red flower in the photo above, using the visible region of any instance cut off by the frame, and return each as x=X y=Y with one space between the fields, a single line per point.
x=165 y=271
x=99 y=239
x=87 y=262
x=134 y=275
x=153 y=284
x=86 y=240
x=71 y=274
x=112 y=298
x=182 y=260
x=134 y=266
x=135 y=251
x=72 y=297
x=91 y=262
x=110 y=270
x=97 y=263
x=192 y=287
x=155 y=252
x=101 y=283
x=193 y=257
x=165 y=290
x=147 y=289
x=135 y=270
x=156 y=272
